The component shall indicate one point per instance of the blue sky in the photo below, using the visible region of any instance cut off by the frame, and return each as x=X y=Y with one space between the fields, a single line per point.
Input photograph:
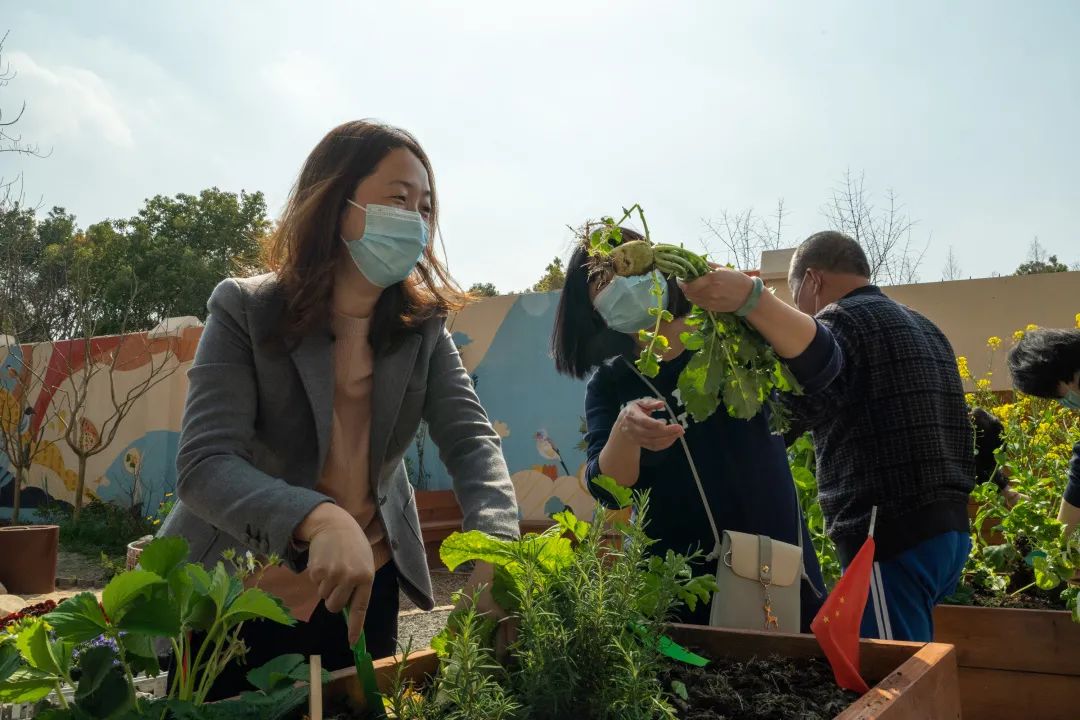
x=539 y=115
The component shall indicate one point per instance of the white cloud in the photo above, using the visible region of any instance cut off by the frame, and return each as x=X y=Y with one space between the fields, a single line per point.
x=70 y=103
x=304 y=81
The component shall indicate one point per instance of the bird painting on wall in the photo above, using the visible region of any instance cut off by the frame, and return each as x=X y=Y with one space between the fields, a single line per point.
x=547 y=449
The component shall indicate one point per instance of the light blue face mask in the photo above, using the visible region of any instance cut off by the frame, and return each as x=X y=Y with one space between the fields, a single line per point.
x=393 y=241
x=624 y=304
x=1071 y=400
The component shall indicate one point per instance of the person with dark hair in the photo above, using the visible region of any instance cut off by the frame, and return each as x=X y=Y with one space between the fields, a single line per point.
x=632 y=439
x=1046 y=363
x=308 y=386
x=989 y=432
x=891 y=432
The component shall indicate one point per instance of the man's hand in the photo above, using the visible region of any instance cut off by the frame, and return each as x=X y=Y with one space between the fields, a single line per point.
x=723 y=290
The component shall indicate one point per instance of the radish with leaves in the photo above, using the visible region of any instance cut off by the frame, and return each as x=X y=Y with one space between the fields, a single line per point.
x=732 y=362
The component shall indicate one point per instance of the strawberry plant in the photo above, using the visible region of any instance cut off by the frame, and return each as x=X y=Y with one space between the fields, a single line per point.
x=731 y=362
x=98 y=648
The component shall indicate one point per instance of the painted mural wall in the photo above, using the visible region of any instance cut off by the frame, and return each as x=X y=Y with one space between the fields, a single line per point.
x=504 y=345
x=47 y=387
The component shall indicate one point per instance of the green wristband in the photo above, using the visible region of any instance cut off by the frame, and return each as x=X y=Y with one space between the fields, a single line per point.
x=752 y=300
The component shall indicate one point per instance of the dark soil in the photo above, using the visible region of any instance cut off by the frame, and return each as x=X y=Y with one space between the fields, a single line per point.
x=1024 y=601
x=774 y=688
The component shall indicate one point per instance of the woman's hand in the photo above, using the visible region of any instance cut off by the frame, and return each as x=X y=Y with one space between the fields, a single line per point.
x=506 y=629
x=723 y=290
x=340 y=562
x=637 y=425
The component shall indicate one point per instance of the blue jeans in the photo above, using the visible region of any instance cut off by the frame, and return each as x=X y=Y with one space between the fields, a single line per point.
x=914 y=582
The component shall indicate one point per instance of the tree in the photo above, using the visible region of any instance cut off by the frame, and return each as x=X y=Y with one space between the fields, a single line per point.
x=1038 y=263
x=554 y=277
x=175 y=251
x=483 y=290
x=116 y=360
x=9 y=141
x=745 y=235
x=951 y=271
x=29 y=302
x=885 y=235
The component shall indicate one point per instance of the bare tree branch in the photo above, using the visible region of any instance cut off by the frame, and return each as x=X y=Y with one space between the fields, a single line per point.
x=884 y=235
x=951 y=271
x=745 y=235
x=133 y=353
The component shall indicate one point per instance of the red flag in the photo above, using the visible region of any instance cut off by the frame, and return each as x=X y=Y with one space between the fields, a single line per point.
x=836 y=625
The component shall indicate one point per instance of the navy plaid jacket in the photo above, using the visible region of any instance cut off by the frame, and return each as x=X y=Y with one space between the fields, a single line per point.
x=892 y=429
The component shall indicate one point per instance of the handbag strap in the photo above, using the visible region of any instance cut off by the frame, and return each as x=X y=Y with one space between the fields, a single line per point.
x=701 y=488
x=693 y=466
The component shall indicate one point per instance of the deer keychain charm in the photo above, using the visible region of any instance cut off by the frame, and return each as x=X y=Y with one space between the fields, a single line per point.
x=771 y=621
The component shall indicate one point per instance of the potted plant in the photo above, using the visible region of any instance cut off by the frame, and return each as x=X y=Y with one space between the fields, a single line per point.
x=95 y=649
x=593 y=642
x=29 y=555
x=135 y=547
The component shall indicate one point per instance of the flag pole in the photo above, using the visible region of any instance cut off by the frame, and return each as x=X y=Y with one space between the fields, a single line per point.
x=877 y=590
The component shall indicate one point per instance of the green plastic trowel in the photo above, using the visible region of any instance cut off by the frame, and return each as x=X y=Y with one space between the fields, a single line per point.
x=365 y=673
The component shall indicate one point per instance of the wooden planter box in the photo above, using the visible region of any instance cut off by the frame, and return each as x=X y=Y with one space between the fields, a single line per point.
x=1014 y=663
x=912 y=681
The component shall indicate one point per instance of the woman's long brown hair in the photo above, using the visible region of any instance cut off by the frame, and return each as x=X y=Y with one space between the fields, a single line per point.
x=305 y=246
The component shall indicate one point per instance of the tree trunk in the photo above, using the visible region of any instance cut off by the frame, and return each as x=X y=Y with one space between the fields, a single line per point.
x=16 y=503
x=80 y=487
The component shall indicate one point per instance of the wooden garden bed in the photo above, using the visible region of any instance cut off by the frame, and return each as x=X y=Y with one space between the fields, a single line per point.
x=1014 y=663
x=911 y=681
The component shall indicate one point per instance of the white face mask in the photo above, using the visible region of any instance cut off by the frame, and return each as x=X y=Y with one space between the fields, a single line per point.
x=393 y=242
x=625 y=303
x=798 y=295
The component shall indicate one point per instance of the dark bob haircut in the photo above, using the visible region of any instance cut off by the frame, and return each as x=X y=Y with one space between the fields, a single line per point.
x=1043 y=359
x=580 y=340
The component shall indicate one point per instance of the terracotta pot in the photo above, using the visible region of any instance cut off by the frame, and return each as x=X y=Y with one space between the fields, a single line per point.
x=29 y=558
x=910 y=681
x=134 y=550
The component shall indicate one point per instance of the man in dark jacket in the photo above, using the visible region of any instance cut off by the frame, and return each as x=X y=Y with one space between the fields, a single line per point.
x=891 y=432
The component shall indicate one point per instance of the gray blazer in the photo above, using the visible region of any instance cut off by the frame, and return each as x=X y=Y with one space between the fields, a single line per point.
x=257 y=424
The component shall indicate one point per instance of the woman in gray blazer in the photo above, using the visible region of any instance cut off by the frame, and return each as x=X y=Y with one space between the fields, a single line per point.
x=308 y=386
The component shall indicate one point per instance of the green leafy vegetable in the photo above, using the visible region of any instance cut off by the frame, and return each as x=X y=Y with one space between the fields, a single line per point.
x=732 y=363
x=623 y=496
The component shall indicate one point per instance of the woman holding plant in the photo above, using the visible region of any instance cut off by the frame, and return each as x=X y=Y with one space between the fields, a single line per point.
x=307 y=387
x=633 y=439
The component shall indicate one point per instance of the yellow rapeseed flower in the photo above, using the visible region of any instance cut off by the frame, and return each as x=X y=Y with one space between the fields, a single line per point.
x=994 y=342
x=982 y=384
x=1077 y=318
x=1018 y=335
x=962 y=366
x=1029 y=328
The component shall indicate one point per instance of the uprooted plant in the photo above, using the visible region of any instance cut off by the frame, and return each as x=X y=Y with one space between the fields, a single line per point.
x=731 y=362
x=589 y=618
